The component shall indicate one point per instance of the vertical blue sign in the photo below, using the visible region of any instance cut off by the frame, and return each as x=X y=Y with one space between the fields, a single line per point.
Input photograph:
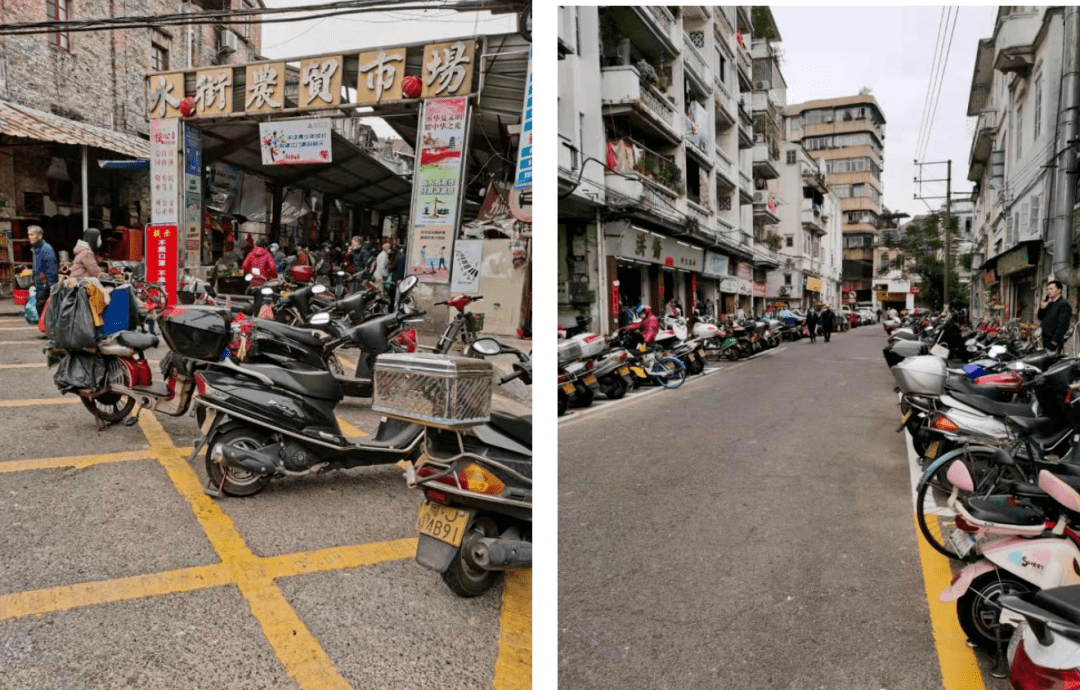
x=523 y=179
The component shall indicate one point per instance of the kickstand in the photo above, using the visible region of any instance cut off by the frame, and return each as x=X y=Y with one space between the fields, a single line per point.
x=1000 y=669
x=133 y=419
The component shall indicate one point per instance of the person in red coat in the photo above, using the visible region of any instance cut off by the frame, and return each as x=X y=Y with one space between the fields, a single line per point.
x=260 y=258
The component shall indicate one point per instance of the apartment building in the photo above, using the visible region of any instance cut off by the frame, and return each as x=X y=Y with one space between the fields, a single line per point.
x=1015 y=94
x=670 y=137
x=847 y=136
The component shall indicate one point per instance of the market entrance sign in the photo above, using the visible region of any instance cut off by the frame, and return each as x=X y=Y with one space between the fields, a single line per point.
x=317 y=82
x=295 y=142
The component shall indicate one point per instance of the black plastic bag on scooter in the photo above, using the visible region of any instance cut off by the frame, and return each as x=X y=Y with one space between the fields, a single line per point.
x=69 y=321
x=80 y=371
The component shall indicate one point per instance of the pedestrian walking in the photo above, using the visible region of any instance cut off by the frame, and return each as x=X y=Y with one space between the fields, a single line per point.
x=44 y=267
x=828 y=322
x=1054 y=316
x=261 y=258
x=382 y=265
x=811 y=324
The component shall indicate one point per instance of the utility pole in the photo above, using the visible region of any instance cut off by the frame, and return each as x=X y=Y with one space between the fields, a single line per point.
x=948 y=208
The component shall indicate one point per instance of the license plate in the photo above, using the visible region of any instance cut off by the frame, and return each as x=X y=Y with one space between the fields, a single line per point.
x=690 y=356
x=210 y=414
x=639 y=372
x=623 y=371
x=701 y=352
x=589 y=380
x=961 y=541
x=568 y=388
x=442 y=523
x=932 y=450
x=903 y=420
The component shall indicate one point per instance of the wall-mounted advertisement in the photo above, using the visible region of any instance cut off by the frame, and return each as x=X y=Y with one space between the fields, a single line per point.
x=442 y=145
x=164 y=171
x=467 y=257
x=523 y=178
x=295 y=142
x=430 y=253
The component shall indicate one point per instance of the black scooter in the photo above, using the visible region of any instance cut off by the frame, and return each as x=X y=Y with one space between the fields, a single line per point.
x=477 y=519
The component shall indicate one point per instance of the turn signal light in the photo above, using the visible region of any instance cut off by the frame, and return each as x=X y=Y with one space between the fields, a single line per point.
x=476 y=478
x=200 y=383
x=943 y=423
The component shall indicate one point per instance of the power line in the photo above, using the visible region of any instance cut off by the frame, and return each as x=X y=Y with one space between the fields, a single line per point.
x=930 y=84
x=941 y=83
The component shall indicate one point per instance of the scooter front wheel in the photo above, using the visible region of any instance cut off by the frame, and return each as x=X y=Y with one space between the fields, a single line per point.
x=979 y=610
x=673 y=372
x=462 y=577
x=109 y=407
x=236 y=481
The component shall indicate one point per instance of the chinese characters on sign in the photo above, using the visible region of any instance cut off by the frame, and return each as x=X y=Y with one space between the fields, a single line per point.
x=448 y=69
x=441 y=142
x=380 y=74
x=161 y=260
x=213 y=92
x=430 y=253
x=164 y=170
x=295 y=142
x=523 y=178
x=320 y=81
x=265 y=90
x=164 y=92
x=192 y=221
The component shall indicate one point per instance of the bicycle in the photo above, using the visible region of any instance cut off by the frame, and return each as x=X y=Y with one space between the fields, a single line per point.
x=464 y=325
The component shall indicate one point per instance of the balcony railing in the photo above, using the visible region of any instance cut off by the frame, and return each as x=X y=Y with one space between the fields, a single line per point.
x=631 y=156
x=663 y=18
x=701 y=213
x=622 y=85
x=692 y=59
x=699 y=143
x=724 y=166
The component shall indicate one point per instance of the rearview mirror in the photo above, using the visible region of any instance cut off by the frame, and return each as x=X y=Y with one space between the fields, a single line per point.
x=318 y=289
x=320 y=319
x=267 y=292
x=487 y=346
x=406 y=285
x=1016 y=366
x=248 y=277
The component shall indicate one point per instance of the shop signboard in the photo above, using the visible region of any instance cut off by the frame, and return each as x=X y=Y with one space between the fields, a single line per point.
x=213 y=92
x=192 y=221
x=447 y=69
x=523 y=178
x=442 y=146
x=295 y=142
x=642 y=245
x=163 y=95
x=467 y=257
x=320 y=81
x=884 y=296
x=379 y=75
x=813 y=284
x=264 y=90
x=164 y=170
x=990 y=277
x=716 y=265
x=745 y=272
x=760 y=290
x=162 y=244
x=1016 y=260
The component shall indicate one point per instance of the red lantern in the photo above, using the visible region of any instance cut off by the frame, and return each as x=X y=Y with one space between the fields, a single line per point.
x=187 y=107
x=410 y=86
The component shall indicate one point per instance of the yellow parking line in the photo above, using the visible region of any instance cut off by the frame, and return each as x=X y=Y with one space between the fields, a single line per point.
x=338 y=558
x=513 y=668
x=959 y=668
x=349 y=430
x=75 y=461
x=299 y=652
x=18 y=328
x=28 y=341
x=12 y=319
x=41 y=401
x=53 y=599
x=37 y=365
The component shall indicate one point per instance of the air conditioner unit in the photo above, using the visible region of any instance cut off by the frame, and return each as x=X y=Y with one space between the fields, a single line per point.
x=761 y=85
x=761 y=198
x=784 y=289
x=230 y=42
x=790 y=263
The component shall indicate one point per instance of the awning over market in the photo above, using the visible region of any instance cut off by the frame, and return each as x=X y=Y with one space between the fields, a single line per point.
x=355 y=175
x=22 y=122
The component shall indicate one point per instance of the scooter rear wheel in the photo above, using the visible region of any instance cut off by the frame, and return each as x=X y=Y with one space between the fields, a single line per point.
x=979 y=609
x=237 y=482
x=675 y=372
x=461 y=577
x=109 y=407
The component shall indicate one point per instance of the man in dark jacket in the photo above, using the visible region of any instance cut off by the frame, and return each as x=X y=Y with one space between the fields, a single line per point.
x=45 y=267
x=811 y=324
x=828 y=322
x=1054 y=316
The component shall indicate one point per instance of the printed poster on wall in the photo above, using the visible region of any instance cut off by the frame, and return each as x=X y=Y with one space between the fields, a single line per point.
x=192 y=223
x=523 y=178
x=438 y=179
x=164 y=171
x=430 y=253
x=162 y=243
x=295 y=142
x=467 y=257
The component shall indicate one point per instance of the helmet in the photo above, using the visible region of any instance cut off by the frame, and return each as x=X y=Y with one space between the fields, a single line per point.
x=644 y=310
x=301 y=274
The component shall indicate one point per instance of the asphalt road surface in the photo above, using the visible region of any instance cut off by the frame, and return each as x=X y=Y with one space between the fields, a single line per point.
x=117 y=571
x=753 y=529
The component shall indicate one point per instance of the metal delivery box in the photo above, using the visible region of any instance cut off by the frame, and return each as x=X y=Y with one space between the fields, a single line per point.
x=435 y=390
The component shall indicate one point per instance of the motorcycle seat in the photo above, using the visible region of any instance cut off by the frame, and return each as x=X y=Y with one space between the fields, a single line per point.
x=958 y=383
x=1034 y=425
x=304 y=336
x=998 y=510
x=992 y=407
x=1063 y=602
x=301 y=379
x=517 y=428
x=137 y=341
x=1050 y=437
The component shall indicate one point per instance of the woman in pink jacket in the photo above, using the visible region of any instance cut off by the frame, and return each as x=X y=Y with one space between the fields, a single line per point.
x=85 y=265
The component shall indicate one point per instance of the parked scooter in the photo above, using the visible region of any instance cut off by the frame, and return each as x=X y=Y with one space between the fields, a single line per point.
x=1044 y=651
x=475 y=472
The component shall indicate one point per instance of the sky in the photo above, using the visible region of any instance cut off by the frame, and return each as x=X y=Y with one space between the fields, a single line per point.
x=837 y=51
x=373 y=30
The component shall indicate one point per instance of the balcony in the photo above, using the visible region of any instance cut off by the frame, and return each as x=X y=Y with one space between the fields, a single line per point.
x=744 y=66
x=746 y=125
x=766 y=159
x=742 y=18
x=814 y=177
x=635 y=189
x=765 y=208
x=724 y=106
x=695 y=65
x=567 y=35
x=746 y=188
x=812 y=219
x=623 y=93
x=698 y=144
x=726 y=177
x=982 y=144
x=569 y=159
x=1015 y=41
x=702 y=214
x=697 y=11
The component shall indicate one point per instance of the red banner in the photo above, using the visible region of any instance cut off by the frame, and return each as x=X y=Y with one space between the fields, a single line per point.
x=161 y=258
x=615 y=298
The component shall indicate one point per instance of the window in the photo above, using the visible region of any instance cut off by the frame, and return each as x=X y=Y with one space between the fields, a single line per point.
x=792 y=158
x=57 y=11
x=884 y=263
x=1033 y=219
x=790 y=241
x=1019 y=131
x=1038 y=106
x=159 y=58
x=787 y=279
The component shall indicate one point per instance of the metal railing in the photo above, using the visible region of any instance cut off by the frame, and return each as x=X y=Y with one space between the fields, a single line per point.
x=693 y=59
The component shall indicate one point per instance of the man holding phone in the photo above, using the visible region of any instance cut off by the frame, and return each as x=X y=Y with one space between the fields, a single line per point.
x=1054 y=316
